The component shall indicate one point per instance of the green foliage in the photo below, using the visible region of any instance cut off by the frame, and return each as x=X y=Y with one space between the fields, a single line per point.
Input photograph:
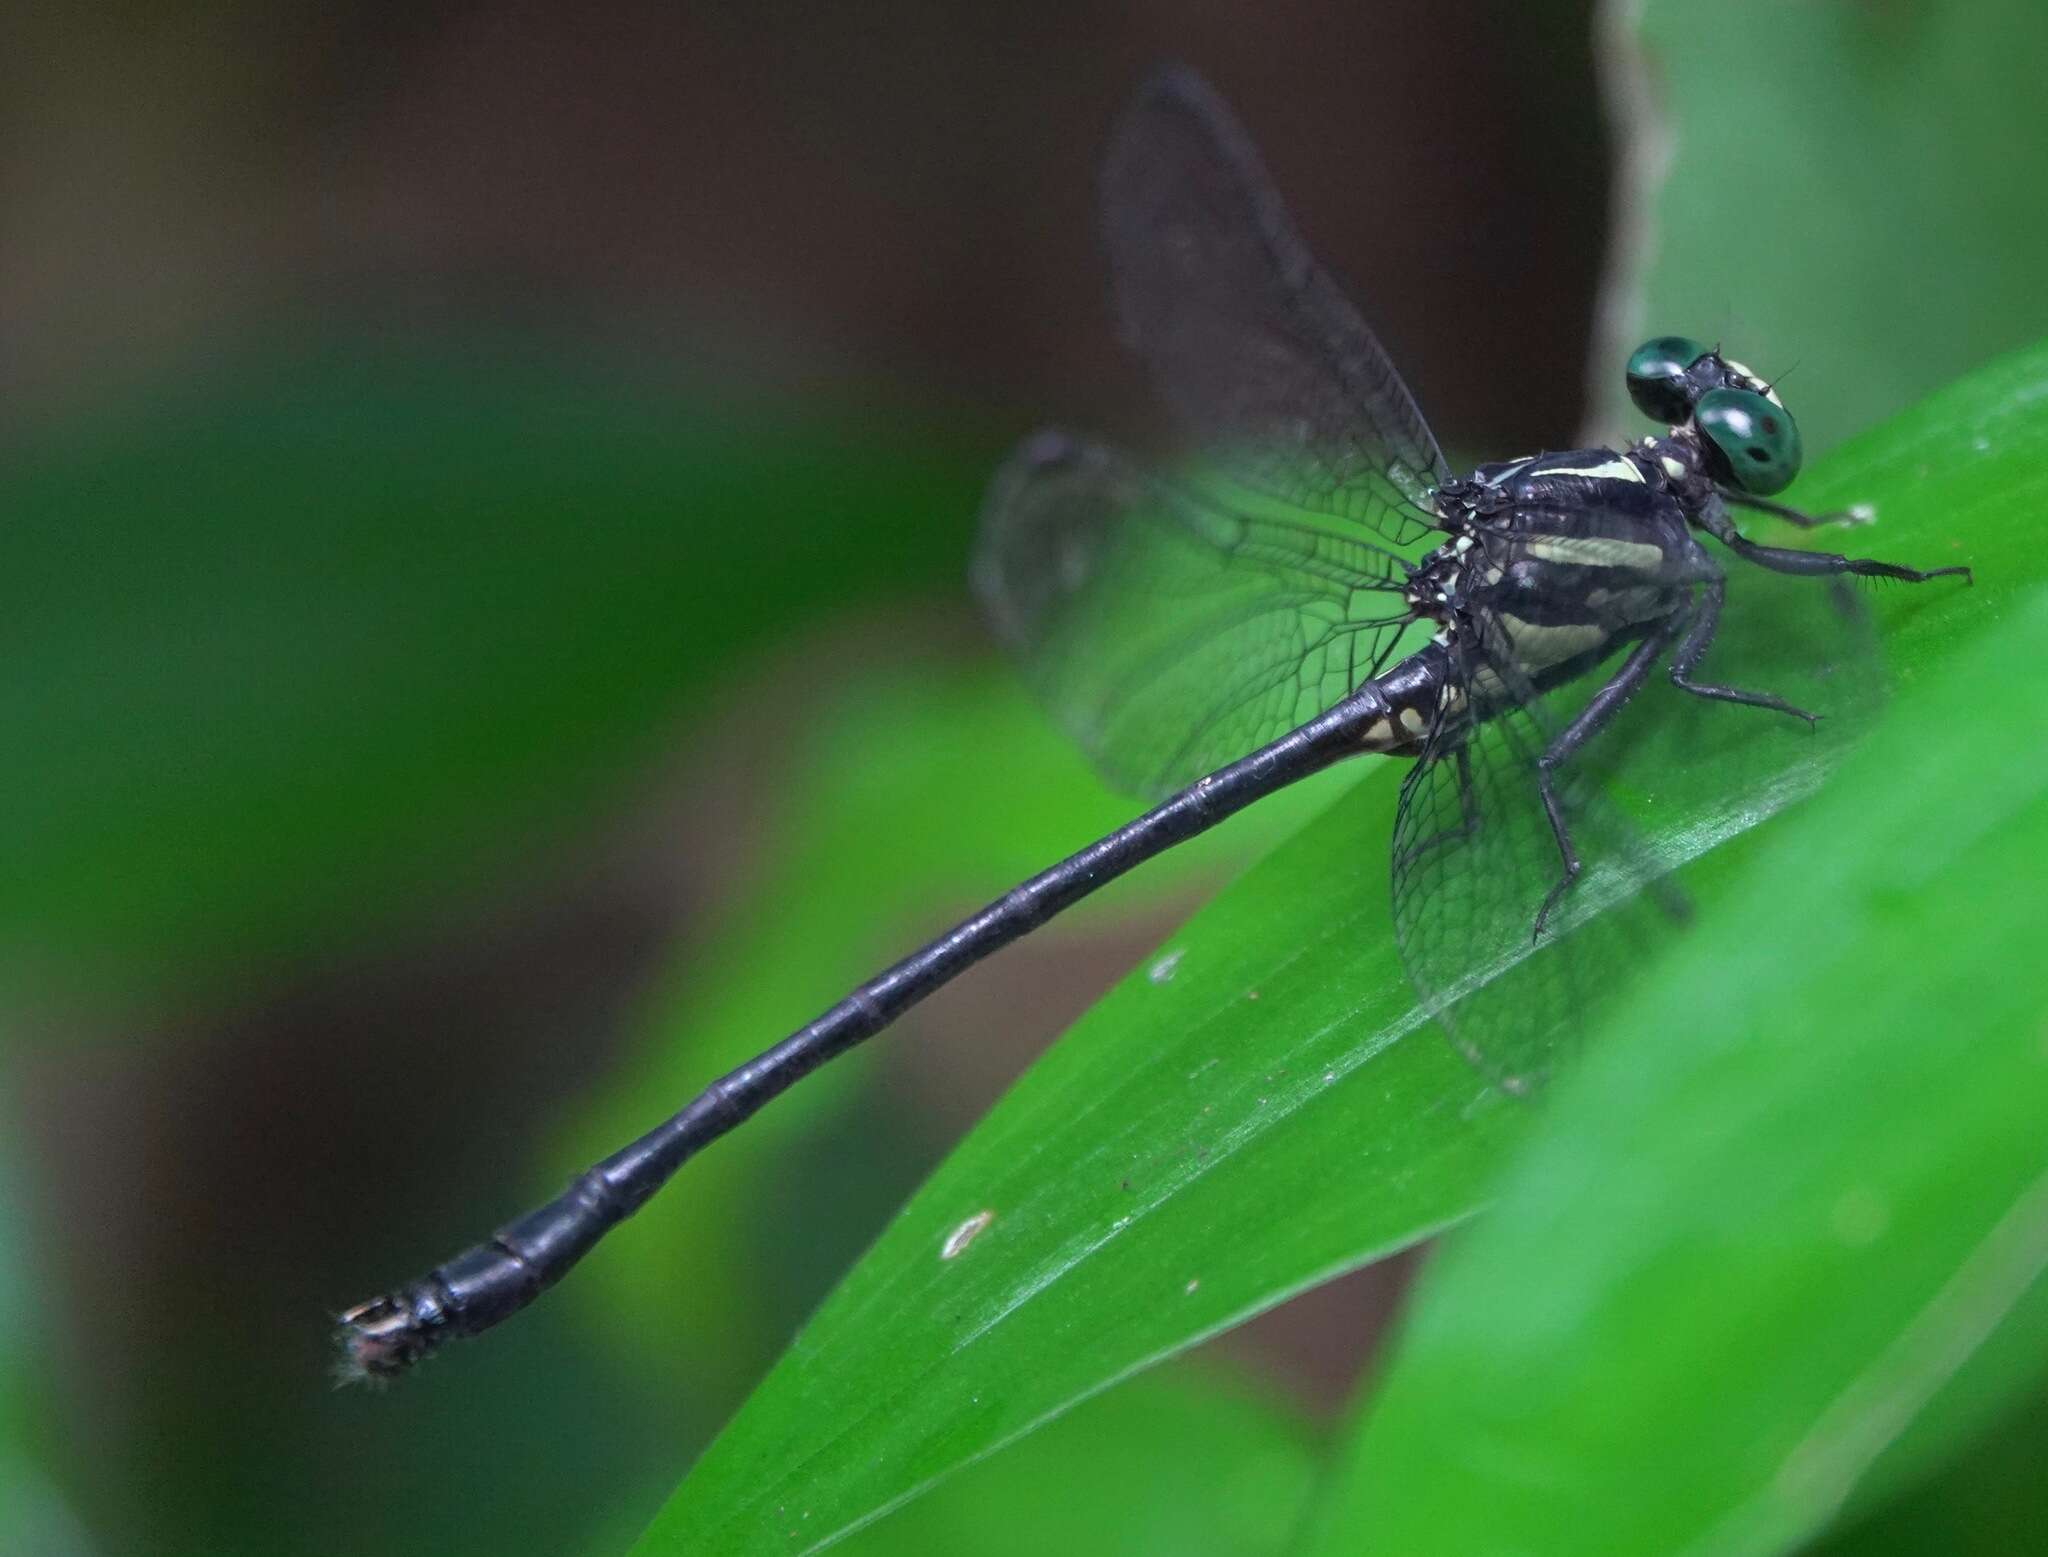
x=33 y=1516
x=292 y=641
x=1795 y=1199
x=1182 y=1461
x=1990 y=1503
x=1250 y=1113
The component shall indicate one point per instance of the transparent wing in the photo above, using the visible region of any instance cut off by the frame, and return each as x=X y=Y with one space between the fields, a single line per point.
x=1170 y=634
x=1473 y=852
x=1277 y=379
x=1474 y=858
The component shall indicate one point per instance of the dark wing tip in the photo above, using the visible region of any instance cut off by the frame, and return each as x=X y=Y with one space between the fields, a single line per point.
x=1042 y=453
x=1046 y=446
x=1005 y=510
x=1175 y=80
x=1180 y=158
x=1180 y=88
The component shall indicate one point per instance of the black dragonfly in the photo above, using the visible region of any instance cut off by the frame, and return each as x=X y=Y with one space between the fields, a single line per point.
x=1311 y=585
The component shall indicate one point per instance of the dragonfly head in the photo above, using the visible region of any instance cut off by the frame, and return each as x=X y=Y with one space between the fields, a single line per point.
x=1746 y=435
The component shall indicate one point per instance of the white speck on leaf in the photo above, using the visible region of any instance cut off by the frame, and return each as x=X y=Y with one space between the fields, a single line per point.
x=1165 y=967
x=960 y=1237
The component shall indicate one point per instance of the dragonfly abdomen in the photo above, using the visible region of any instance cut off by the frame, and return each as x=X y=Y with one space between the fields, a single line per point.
x=1417 y=692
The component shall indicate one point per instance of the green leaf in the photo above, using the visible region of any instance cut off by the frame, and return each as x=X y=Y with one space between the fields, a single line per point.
x=1799 y=1186
x=1990 y=1503
x=302 y=637
x=1241 y=1119
x=35 y=1514
x=1184 y=1460
x=1840 y=189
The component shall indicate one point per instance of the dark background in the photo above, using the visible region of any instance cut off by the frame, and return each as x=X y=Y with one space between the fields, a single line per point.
x=231 y=1111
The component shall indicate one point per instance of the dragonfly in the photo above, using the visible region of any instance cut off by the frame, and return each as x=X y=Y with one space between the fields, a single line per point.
x=1311 y=583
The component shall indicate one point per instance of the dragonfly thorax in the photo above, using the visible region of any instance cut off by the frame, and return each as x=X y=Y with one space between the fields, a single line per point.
x=1679 y=458
x=1555 y=560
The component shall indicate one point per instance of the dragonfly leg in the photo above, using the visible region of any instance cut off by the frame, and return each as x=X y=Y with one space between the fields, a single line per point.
x=1713 y=518
x=1588 y=722
x=1692 y=649
x=1468 y=809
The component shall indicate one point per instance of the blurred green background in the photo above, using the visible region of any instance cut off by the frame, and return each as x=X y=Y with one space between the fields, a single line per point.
x=488 y=490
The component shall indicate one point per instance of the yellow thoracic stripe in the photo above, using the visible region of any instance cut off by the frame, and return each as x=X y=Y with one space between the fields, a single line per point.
x=1596 y=551
x=1536 y=645
x=1616 y=469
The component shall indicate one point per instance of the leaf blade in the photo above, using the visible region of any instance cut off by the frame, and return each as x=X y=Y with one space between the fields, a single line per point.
x=901 y=1378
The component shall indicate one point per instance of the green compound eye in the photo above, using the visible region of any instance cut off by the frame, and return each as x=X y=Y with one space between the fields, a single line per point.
x=1757 y=442
x=1657 y=377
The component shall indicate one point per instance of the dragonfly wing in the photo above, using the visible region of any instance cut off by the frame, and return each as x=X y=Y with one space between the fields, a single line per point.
x=1171 y=634
x=1266 y=362
x=1702 y=770
x=1474 y=858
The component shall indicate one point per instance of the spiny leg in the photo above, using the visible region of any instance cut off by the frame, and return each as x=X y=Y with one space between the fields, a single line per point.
x=1693 y=648
x=1811 y=564
x=1815 y=564
x=1587 y=723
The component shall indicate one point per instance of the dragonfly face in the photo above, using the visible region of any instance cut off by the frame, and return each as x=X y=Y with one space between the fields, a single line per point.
x=1733 y=418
